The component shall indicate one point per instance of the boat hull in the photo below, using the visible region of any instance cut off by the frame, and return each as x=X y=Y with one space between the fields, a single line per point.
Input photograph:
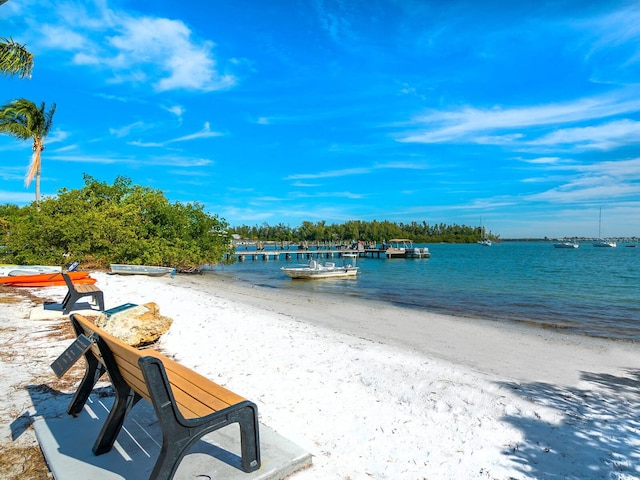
x=329 y=270
x=149 y=270
x=307 y=273
x=54 y=283
x=13 y=270
x=45 y=279
x=604 y=244
x=566 y=245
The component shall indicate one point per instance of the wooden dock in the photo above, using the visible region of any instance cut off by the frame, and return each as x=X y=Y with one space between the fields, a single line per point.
x=303 y=254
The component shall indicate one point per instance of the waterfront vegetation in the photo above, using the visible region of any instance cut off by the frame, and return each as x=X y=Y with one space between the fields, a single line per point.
x=101 y=224
x=374 y=231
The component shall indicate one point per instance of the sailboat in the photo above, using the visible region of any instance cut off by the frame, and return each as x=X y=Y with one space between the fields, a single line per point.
x=601 y=242
x=485 y=241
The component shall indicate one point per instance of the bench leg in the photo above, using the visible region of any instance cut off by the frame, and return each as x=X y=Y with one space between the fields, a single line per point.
x=67 y=297
x=71 y=299
x=177 y=440
x=98 y=299
x=123 y=402
x=92 y=374
x=179 y=434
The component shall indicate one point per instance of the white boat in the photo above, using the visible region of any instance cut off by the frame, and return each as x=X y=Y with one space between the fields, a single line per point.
x=404 y=248
x=566 y=244
x=484 y=241
x=417 y=252
x=14 y=270
x=150 y=270
x=603 y=242
x=315 y=269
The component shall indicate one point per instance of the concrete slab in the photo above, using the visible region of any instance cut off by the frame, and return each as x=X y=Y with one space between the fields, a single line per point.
x=66 y=444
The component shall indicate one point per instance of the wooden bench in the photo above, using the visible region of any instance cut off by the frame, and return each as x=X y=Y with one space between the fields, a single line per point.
x=187 y=404
x=76 y=292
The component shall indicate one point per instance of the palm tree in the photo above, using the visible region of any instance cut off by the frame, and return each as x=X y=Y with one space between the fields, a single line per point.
x=15 y=59
x=24 y=120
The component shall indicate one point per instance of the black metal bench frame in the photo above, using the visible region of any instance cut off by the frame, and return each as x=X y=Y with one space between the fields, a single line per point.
x=178 y=433
x=73 y=295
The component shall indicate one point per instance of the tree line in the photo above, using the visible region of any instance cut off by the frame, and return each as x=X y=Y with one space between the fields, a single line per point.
x=353 y=230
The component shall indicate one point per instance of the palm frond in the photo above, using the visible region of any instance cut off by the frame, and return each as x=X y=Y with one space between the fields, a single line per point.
x=15 y=59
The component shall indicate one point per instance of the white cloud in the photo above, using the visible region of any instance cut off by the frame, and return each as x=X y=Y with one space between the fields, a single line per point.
x=126 y=130
x=463 y=126
x=140 y=49
x=601 y=137
x=603 y=180
x=329 y=174
x=204 y=133
x=542 y=160
x=177 y=110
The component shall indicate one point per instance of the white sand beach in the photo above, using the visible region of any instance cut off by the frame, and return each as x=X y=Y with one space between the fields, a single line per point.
x=372 y=390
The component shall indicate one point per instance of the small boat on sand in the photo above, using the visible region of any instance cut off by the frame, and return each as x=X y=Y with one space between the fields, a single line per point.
x=13 y=270
x=315 y=269
x=150 y=270
x=46 y=279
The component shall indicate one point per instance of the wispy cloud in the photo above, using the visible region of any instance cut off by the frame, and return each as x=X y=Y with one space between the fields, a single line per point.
x=160 y=160
x=541 y=160
x=126 y=130
x=592 y=183
x=177 y=110
x=617 y=28
x=466 y=125
x=329 y=174
x=204 y=133
x=357 y=171
x=600 y=137
x=139 y=49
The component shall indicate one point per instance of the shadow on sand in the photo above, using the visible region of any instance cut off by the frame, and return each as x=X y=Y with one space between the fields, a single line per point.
x=595 y=433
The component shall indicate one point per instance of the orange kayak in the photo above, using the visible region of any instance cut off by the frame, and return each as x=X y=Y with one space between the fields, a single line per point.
x=44 y=279
x=54 y=283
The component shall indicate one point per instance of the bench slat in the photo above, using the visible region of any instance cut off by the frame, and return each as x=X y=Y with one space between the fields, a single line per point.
x=196 y=396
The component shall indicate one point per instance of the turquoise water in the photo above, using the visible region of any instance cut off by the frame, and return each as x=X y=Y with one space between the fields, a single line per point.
x=588 y=291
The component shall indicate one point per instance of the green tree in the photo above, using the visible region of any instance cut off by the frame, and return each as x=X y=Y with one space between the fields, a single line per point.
x=24 y=120
x=120 y=223
x=15 y=59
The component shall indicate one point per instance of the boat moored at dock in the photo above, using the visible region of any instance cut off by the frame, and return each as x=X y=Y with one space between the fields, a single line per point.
x=404 y=248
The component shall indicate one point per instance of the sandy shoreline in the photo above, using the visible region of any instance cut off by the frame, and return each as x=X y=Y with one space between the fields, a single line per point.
x=376 y=391
x=515 y=352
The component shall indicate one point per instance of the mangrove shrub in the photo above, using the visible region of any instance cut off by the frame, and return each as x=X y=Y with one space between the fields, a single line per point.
x=101 y=224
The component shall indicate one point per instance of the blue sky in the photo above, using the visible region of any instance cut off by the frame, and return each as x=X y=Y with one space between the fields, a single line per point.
x=522 y=116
